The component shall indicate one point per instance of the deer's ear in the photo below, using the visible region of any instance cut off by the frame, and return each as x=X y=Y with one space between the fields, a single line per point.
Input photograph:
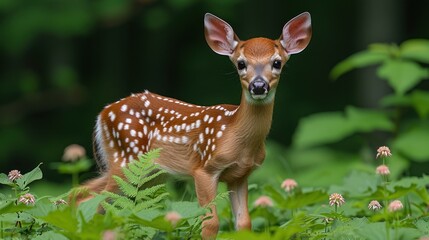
x=219 y=35
x=296 y=33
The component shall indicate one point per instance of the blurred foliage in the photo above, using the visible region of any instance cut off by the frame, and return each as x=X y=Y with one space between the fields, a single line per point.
x=408 y=136
x=62 y=61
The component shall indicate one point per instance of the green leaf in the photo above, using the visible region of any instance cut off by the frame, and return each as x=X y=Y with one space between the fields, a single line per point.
x=30 y=177
x=358 y=60
x=416 y=49
x=64 y=219
x=321 y=128
x=402 y=75
x=368 y=120
x=79 y=166
x=10 y=207
x=414 y=144
x=50 y=236
x=89 y=208
x=396 y=101
x=420 y=102
x=187 y=209
x=245 y=235
x=4 y=179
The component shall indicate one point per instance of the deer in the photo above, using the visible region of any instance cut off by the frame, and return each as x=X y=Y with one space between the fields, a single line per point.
x=211 y=144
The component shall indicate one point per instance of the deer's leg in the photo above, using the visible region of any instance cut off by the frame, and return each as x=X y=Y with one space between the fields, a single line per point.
x=206 y=188
x=238 y=197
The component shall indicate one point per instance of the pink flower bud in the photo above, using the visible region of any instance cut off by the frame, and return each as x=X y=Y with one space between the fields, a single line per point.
x=382 y=170
x=263 y=201
x=395 y=205
x=289 y=184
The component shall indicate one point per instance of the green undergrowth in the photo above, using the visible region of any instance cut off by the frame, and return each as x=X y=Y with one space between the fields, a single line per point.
x=145 y=210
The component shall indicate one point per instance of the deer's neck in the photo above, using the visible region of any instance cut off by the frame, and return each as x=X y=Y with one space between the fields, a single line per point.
x=253 y=120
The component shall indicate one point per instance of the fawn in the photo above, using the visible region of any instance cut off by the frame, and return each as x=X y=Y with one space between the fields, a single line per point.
x=211 y=144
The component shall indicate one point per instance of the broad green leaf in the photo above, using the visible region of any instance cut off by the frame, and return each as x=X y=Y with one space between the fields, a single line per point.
x=187 y=209
x=301 y=199
x=416 y=49
x=358 y=60
x=64 y=219
x=359 y=183
x=368 y=120
x=321 y=128
x=414 y=144
x=30 y=177
x=51 y=235
x=394 y=100
x=158 y=222
x=91 y=207
x=11 y=207
x=402 y=75
x=81 y=165
x=4 y=179
x=420 y=101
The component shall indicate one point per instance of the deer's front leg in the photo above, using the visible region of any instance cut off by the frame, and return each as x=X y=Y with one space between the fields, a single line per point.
x=206 y=189
x=238 y=197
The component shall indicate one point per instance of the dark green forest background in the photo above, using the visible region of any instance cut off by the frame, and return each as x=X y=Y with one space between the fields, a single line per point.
x=62 y=61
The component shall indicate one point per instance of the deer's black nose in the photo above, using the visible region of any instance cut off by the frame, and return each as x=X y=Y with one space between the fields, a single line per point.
x=259 y=87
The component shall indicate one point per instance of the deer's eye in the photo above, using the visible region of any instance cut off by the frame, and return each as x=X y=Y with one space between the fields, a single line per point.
x=277 y=64
x=241 y=65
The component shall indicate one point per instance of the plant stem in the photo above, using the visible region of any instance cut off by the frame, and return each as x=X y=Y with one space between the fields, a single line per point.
x=75 y=179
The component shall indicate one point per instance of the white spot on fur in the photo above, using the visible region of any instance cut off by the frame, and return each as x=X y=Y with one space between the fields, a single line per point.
x=112 y=116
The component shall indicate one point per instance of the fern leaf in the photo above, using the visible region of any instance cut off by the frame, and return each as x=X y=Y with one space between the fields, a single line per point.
x=130 y=175
x=147 y=192
x=151 y=202
x=112 y=195
x=127 y=188
x=151 y=176
x=110 y=208
x=123 y=203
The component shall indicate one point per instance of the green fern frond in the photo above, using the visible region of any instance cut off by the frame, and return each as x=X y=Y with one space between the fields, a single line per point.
x=136 y=175
x=151 y=176
x=112 y=195
x=126 y=187
x=151 y=202
x=123 y=203
x=144 y=193
x=132 y=176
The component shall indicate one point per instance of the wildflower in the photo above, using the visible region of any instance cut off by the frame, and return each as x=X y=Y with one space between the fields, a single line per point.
x=336 y=199
x=374 y=205
x=73 y=152
x=383 y=151
x=263 y=201
x=289 y=184
x=60 y=202
x=27 y=199
x=13 y=175
x=109 y=235
x=382 y=170
x=173 y=217
x=395 y=205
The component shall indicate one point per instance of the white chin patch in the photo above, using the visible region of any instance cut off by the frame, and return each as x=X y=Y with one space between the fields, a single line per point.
x=259 y=97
